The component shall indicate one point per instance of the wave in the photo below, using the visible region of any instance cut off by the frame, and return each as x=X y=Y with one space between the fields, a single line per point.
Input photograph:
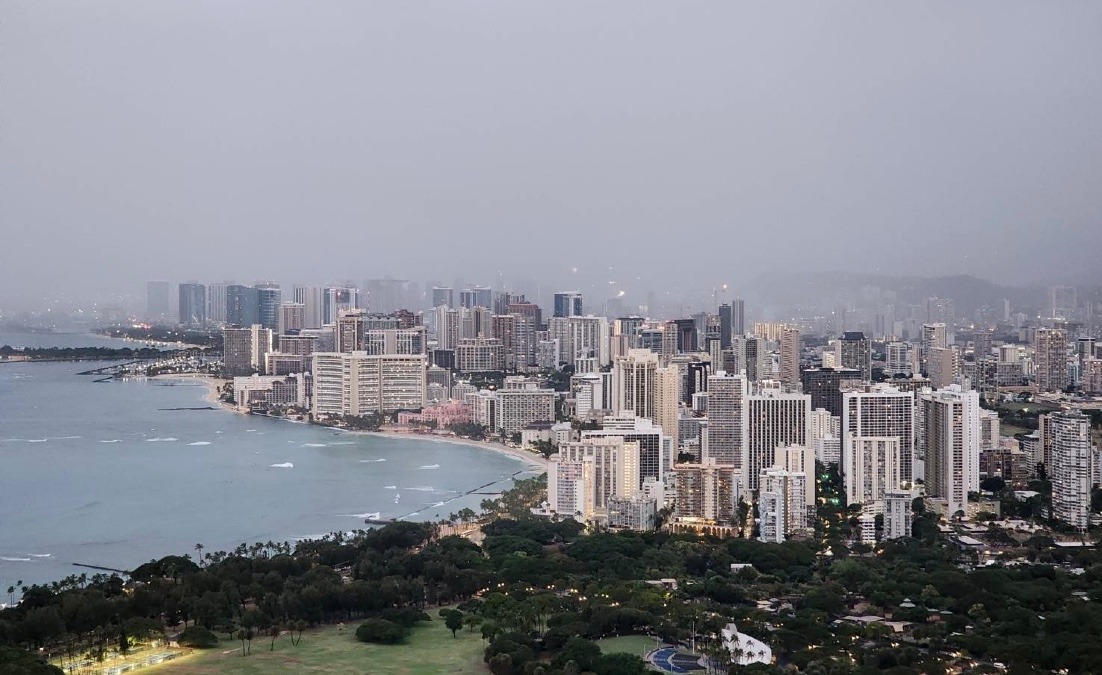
x=250 y=430
x=422 y=488
x=285 y=465
x=113 y=440
x=343 y=443
x=67 y=438
x=7 y=559
x=373 y=515
x=314 y=445
x=372 y=461
x=37 y=440
x=158 y=439
x=390 y=487
x=41 y=555
x=429 y=466
x=200 y=443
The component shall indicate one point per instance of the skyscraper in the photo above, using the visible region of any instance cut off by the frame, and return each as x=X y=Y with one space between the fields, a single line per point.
x=244 y=349
x=1071 y=468
x=269 y=298
x=568 y=303
x=292 y=317
x=726 y=324
x=312 y=298
x=338 y=298
x=1050 y=358
x=855 y=351
x=157 y=304
x=790 y=356
x=442 y=295
x=774 y=419
x=782 y=504
x=933 y=336
x=951 y=438
x=881 y=411
x=738 y=317
x=633 y=383
x=667 y=400
x=727 y=419
x=193 y=305
x=476 y=296
x=824 y=385
x=242 y=305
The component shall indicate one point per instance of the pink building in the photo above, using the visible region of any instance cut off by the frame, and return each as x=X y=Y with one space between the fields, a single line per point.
x=452 y=412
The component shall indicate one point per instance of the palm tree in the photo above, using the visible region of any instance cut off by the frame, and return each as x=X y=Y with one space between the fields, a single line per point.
x=199 y=553
x=11 y=595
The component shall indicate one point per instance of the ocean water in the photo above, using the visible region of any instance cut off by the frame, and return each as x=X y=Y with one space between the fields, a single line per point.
x=21 y=340
x=106 y=474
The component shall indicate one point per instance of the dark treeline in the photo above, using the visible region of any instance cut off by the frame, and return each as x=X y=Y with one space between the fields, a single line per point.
x=540 y=594
x=85 y=353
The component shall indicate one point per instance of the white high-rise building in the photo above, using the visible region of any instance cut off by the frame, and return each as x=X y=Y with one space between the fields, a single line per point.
x=667 y=401
x=881 y=410
x=520 y=407
x=613 y=472
x=312 y=298
x=898 y=359
x=951 y=438
x=799 y=459
x=943 y=365
x=870 y=469
x=790 y=356
x=358 y=383
x=934 y=336
x=589 y=338
x=655 y=447
x=1071 y=468
x=782 y=504
x=897 y=514
x=726 y=436
x=774 y=418
x=216 y=302
x=633 y=383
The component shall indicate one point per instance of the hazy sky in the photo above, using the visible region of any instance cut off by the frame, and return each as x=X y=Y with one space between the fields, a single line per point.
x=678 y=142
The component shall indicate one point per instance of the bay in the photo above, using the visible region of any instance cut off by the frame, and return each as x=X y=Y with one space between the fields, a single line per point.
x=107 y=474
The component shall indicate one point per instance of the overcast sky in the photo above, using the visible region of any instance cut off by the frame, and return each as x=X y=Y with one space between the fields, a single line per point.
x=683 y=143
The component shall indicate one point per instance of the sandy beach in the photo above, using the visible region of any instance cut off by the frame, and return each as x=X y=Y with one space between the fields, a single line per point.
x=214 y=386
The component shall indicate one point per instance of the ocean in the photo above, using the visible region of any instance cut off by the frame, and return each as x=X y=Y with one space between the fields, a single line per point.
x=109 y=474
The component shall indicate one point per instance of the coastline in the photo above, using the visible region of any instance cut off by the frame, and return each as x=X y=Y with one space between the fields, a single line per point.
x=214 y=386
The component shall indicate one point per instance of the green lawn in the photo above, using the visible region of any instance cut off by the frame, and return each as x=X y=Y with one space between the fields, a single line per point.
x=430 y=650
x=628 y=644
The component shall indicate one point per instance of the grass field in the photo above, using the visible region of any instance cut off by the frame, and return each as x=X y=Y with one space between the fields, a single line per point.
x=430 y=650
x=627 y=644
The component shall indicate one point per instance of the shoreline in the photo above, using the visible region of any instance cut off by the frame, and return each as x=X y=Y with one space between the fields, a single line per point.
x=214 y=387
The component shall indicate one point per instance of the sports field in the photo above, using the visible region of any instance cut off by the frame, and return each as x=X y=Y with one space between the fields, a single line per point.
x=430 y=650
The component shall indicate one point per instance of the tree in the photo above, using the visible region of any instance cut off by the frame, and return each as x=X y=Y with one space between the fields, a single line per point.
x=199 y=553
x=453 y=620
x=273 y=633
x=584 y=653
x=198 y=637
x=993 y=484
x=381 y=631
x=299 y=626
x=620 y=664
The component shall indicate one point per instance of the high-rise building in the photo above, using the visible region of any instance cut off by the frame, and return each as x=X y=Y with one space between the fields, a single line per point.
x=882 y=411
x=216 y=303
x=517 y=408
x=312 y=298
x=897 y=514
x=350 y=329
x=790 y=356
x=588 y=338
x=358 y=383
x=870 y=468
x=855 y=352
x=608 y=467
x=568 y=303
x=337 y=299
x=479 y=355
x=269 y=298
x=244 y=349
x=1050 y=358
x=193 y=305
x=774 y=418
x=738 y=317
x=242 y=305
x=443 y=296
x=292 y=317
x=667 y=402
x=951 y=438
x=706 y=492
x=898 y=359
x=633 y=383
x=782 y=504
x=824 y=385
x=943 y=365
x=1071 y=468
x=726 y=434
x=934 y=335
x=157 y=302
x=655 y=447
x=476 y=296
x=726 y=323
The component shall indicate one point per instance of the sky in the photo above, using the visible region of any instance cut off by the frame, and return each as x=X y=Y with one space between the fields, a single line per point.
x=651 y=144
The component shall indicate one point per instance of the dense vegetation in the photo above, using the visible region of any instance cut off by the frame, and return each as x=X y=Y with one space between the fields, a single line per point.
x=83 y=353
x=541 y=593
